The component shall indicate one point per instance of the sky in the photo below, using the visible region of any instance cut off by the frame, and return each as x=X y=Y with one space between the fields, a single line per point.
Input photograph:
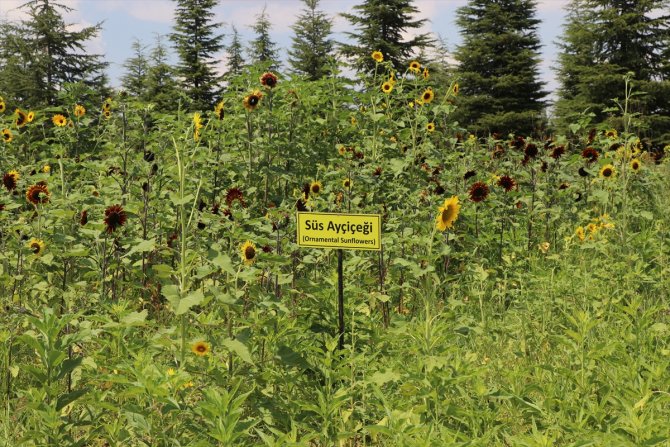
x=123 y=21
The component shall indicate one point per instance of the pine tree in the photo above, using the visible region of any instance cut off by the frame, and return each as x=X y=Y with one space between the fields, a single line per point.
x=380 y=25
x=196 y=42
x=500 y=90
x=263 y=48
x=236 y=61
x=312 y=48
x=603 y=41
x=46 y=55
x=137 y=67
x=161 y=86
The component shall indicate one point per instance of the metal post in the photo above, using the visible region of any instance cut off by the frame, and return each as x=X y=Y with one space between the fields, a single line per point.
x=340 y=297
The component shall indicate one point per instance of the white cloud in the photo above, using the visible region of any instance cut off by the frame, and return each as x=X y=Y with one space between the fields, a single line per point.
x=12 y=11
x=161 y=11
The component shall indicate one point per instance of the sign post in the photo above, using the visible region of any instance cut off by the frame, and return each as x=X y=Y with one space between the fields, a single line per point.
x=341 y=231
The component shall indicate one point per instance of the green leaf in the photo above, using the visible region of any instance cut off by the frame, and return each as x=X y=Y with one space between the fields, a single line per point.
x=141 y=246
x=239 y=348
x=192 y=299
x=134 y=318
x=68 y=398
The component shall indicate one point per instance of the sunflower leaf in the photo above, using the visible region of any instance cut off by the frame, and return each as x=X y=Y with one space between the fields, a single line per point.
x=239 y=348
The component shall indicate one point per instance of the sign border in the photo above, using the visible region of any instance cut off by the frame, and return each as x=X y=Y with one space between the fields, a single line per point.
x=317 y=245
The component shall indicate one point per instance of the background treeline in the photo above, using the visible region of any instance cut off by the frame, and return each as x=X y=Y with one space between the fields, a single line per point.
x=496 y=65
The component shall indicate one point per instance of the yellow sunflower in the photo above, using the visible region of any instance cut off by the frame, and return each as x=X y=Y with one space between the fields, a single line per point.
x=218 y=110
x=611 y=133
x=46 y=169
x=37 y=246
x=200 y=348
x=607 y=171
x=79 y=111
x=378 y=56
x=454 y=89
x=414 y=66
x=635 y=165
x=387 y=87
x=427 y=96
x=426 y=73
x=347 y=183
x=3 y=106
x=21 y=118
x=59 y=120
x=252 y=100
x=248 y=252
x=430 y=127
x=579 y=232
x=197 y=125
x=315 y=187
x=447 y=214
x=6 y=135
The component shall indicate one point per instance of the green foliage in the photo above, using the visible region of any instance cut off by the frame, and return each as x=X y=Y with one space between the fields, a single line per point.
x=236 y=60
x=498 y=68
x=262 y=48
x=134 y=81
x=380 y=25
x=312 y=47
x=196 y=42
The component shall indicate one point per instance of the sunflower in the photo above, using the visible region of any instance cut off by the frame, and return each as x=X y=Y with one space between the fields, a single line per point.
x=590 y=154
x=200 y=348
x=430 y=127
x=506 y=182
x=248 y=252
x=46 y=169
x=21 y=118
x=426 y=73
x=557 y=152
x=478 y=192
x=447 y=214
x=315 y=187
x=3 y=106
x=611 y=133
x=635 y=165
x=107 y=105
x=83 y=218
x=530 y=151
x=59 y=120
x=107 y=114
x=36 y=246
x=427 y=95
x=30 y=117
x=233 y=195
x=414 y=67
x=378 y=56
x=79 y=111
x=347 y=183
x=341 y=149
x=252 y=100
x=10 y=180
x=218 y=110
x=197 y=125
x=387 y=87
x=115 y=217
x=579 y=232
x=38 y=193
x=268 y=79
x=454 y=89
x=6 y=135
x=607 y=171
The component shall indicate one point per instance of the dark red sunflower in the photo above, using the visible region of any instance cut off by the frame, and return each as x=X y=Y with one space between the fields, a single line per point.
x=83 y=218
x=590 y=154
x=530 y=151
x=38 y=193
x=235 y=194
x=478 y=192
x=10 y=180
x=269 y=79
x=469 y=174
x=507 y=183
x=558 y=152
x=115 y=217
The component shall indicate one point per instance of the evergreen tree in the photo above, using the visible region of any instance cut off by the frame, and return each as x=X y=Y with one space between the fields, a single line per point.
x=46 y=55
x=603 y=41
x=312 y=48
x=161 y=86
x=380 y=25
x=196 y=42
x=500 y=90
x=236 y=61
x=137 y=67
x=263 y=48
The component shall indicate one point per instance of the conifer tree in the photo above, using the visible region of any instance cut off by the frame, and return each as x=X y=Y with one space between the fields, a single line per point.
x=196 y=42
x=263 y=48
x=46 y=55
x=137 y=67
x=236 y=60
x=605 y=40
x=161 y=86
x=498 y=68
x=380 y=25
x=312 y=46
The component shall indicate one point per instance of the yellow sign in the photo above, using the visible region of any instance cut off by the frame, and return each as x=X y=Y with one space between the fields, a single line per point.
x=335 y=230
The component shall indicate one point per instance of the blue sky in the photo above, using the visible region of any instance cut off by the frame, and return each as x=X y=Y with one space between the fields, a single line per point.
x=125 y=20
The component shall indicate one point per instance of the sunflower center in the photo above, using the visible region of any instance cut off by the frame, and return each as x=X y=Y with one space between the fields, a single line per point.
x=249 y=252
x=201 y=348
x=607 y=172
x=253 y=100
x=35 y=247
x=316 y=189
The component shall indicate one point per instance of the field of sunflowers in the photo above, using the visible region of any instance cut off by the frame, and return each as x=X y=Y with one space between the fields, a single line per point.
x=153 y=293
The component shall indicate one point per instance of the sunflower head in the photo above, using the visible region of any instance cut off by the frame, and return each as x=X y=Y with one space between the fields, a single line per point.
x=427 y=96
x=607 y=171
x=6 y=135
x=479 y=191
x=387 y=87
x=21 y=118
x=454 y=89
x=235 y=195
x=579 y=232
x=590 y=154
x=3 y=106
x=218 y=110
x=31 y=116
x=38 y=193
x=558 y=152
x=447 y=214
x=506 y=182
x=79 y=111
x=635 y=165
x=316 y=187
x=10 y=180
x=430 y=127
x=377 y=56
x=414 y=67
x=426 y=73
x=611 y=133
x=268 y=80
x=347 y=183
x=59 y=120
x=36 y=246
x=252 y=100
x=200 y=348
x=530 y=151
x=115 y=217
x=248 y=252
